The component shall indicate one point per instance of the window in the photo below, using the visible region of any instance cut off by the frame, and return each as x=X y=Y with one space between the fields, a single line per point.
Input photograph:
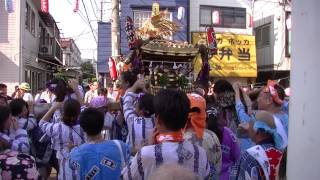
x=30 y=20
x=39 y=84
x=48 y=77
x=48 y=40
x=263 y=36
x=228 y=17
x=140 y=16
x=27 y=76
x=27 y=11
x=205 y=17
x=42 y=34
x=33 y=23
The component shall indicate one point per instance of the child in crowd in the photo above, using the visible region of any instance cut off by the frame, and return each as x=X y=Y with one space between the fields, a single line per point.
x=21 y=111
x=98 y=158
x=171 y=113
x=11 y=135
x=64 y=135
x=139 y=116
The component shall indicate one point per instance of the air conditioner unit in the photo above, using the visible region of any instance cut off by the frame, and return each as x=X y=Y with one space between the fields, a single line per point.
x=45 y=50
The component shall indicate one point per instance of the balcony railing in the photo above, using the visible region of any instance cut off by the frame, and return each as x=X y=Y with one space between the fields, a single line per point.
x=50 y=51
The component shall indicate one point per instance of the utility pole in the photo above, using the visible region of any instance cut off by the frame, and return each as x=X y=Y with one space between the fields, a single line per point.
x=101 y=10
x=95 y=61
x=115 y=28
x=304 y=142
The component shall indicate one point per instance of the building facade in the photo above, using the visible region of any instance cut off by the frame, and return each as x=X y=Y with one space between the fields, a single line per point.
x=232 y=16
x=29 y=47
x=272 y=28
x=71 y=57
x=232 y=22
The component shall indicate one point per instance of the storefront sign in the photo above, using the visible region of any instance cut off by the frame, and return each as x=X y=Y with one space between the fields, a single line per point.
x=236 y=55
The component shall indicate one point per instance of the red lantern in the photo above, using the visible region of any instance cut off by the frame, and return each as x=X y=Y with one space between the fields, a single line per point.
x=45 y=6
x=112 y=69
x=251 y=21
x=76 y=6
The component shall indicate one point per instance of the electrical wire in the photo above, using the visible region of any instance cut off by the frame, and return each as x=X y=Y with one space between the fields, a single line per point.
x=82 y=34
x=85 y=9
x=93 y=9
x=95 y=2
x=79 y=13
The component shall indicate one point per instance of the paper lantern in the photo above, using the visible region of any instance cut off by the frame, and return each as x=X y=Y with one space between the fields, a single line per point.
x=288 y=23
x=76 y=6
x=287 y=92
x=44 y=6
x=251 y=21
x=181 y=13
x=215 y=17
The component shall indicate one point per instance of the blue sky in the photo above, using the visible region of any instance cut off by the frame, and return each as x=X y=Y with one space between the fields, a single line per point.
x=72 y=25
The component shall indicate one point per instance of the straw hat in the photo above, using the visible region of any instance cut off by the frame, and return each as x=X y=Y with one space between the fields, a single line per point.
x=25 y=86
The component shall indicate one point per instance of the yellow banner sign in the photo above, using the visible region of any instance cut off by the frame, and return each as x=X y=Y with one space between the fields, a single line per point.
x=236 y=55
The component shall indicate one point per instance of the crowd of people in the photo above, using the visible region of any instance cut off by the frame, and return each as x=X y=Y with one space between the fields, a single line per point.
x=124 y=132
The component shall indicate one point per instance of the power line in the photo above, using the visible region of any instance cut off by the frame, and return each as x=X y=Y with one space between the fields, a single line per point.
x=93 y=9
x=95 y=2
x=83 y=33
x=79 y=13
x=85 y=9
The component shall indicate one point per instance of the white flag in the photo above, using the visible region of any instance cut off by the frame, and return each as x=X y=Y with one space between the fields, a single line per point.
x=181 y=13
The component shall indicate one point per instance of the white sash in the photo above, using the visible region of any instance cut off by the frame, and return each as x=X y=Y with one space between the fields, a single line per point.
x=281 y=131
x=258 y=153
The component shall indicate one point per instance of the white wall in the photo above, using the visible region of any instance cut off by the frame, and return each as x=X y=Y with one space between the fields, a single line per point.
x=9 y=46
x=76 y=55
x=304 y=142
x=266 y=12
x=72 y=58
x=195 y=14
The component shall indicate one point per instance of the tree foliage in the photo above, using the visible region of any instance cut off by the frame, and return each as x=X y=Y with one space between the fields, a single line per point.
x=88 y=71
